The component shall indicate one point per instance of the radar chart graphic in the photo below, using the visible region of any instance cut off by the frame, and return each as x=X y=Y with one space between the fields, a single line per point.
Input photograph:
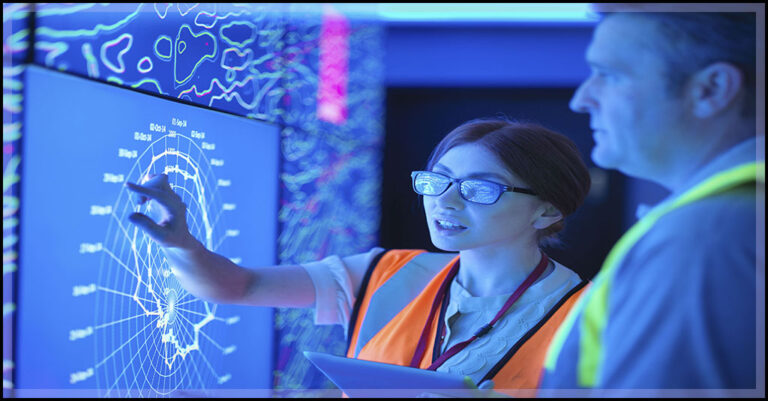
x=151 y=333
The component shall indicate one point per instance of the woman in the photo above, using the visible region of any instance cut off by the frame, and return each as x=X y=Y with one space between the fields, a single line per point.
x=494 y=191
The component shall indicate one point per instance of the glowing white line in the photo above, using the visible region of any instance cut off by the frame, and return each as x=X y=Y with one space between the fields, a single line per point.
x=124 y=344
x=129 y=362
x=120 y=262
x=101 y=326
x=105 y=289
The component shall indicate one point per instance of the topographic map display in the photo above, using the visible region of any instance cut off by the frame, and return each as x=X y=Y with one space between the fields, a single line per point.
x=260 y=61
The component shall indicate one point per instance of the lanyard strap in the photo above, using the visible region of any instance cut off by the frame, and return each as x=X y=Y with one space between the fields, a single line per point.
x=443 y=293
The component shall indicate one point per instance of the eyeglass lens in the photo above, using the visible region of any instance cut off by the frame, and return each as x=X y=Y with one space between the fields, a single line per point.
x=471 y=190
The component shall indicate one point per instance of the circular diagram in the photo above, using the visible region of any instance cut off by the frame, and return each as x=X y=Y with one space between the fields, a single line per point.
x=152 y=337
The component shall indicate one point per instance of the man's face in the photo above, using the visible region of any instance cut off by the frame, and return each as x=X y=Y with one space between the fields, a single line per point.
x=633 y=116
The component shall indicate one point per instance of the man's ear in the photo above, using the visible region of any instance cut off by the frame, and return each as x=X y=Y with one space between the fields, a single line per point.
x=546 y=215
x=715 y=88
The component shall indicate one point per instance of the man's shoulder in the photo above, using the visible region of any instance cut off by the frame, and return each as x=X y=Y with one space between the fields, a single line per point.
x=719 y=228
x=712 y=216
x=706 y=247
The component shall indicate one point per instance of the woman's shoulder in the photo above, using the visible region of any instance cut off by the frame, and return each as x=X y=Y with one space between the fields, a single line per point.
x=358 y=264
x=388 y=262
x=400 y=257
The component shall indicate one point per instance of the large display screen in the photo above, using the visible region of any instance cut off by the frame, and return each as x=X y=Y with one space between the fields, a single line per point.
x=99 y=309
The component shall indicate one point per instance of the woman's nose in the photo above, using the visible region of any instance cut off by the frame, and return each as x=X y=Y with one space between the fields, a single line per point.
x=451 y=198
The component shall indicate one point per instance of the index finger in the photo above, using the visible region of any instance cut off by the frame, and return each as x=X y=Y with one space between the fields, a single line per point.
x=165 y=198
x=155 y=180
x=146 y=191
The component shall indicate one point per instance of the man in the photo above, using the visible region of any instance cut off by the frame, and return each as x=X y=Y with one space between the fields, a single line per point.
x=671 y=99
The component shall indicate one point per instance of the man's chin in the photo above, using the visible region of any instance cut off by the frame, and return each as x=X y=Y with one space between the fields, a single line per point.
x=603 y=158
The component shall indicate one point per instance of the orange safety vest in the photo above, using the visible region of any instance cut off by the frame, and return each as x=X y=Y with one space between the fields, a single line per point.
x=394 y=305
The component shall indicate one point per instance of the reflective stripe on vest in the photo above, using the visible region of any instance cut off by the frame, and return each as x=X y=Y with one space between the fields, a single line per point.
x=392 y=312
x=395 y=292
x=594 y=303
x=395 y=307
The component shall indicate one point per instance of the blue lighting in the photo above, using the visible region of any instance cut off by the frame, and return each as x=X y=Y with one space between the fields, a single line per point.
x=498 y=12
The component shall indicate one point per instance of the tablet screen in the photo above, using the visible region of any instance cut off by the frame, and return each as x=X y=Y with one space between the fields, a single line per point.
x=360 y=378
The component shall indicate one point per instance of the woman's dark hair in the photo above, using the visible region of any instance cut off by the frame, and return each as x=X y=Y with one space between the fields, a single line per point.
x=548 y=163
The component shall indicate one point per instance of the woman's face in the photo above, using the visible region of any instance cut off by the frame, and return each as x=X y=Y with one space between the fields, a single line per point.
x=507 y=222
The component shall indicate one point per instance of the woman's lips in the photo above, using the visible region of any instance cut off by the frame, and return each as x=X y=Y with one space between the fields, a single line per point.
x=444 y=226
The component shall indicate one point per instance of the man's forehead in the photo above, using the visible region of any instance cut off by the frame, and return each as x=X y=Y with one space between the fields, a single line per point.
x=620 y=39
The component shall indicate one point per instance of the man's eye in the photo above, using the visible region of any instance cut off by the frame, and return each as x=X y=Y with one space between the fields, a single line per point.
x=604 y=75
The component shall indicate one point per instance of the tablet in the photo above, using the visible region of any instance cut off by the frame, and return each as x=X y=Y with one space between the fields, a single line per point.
x=359 y=378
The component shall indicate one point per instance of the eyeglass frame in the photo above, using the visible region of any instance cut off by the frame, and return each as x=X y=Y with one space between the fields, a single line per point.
x=459 y=181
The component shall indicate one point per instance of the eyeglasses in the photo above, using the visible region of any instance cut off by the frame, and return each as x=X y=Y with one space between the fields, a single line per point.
x=472 y=190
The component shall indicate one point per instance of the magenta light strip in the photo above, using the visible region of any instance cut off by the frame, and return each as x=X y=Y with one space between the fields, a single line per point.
x=333 y=72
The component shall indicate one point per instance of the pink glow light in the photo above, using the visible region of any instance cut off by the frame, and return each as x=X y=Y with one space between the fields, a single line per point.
x=334 y=68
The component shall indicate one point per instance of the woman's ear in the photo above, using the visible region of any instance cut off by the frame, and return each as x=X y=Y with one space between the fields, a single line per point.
x=546 y=215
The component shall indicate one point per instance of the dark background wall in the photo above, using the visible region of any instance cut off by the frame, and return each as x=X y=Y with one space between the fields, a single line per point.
x=487 y=54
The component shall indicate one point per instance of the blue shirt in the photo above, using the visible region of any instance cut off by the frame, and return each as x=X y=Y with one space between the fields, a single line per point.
x=682 y=307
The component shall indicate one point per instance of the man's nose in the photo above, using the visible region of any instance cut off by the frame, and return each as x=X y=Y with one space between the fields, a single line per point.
x=582 y=100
